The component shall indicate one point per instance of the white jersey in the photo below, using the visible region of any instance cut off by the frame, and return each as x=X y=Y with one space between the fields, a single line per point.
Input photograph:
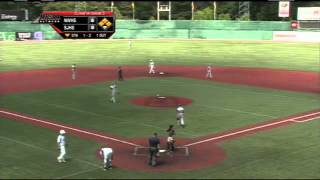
x=209 y=68
x=61 y=140
x=151 y=64
x=170 y=139
x=106 y=152
x=180 y=109
x=113 y=89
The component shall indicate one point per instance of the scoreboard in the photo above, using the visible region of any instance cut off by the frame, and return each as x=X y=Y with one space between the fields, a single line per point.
x=81 y=25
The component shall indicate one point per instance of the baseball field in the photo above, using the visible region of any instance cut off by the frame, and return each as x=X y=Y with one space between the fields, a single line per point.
x=257 y=118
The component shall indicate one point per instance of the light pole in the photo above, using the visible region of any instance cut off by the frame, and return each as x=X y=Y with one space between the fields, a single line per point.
x=132 y=5
x=214 y=10
x=192 y=10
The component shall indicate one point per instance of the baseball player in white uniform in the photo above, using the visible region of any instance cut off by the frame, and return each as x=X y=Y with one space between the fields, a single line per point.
x=130 y=44
x=209 y=72
x=61 y=140
x=107 y=155
x=180 y=115
x=113 y=88
x=73 y=70
x=151 y=67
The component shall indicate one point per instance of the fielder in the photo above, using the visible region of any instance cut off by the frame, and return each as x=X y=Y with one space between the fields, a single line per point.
x=209 y=72
x=107 y=155
x=151 y=67
x=113 y=88
x=61 y=140
x=180 y=115
x=73 y=70
x=130 y=44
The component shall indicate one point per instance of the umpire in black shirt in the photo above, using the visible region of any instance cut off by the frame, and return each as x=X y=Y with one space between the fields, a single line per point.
x=154 y=145
x=120 y=75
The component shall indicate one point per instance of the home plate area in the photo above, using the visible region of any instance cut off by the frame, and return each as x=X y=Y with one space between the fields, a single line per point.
x=144 y=151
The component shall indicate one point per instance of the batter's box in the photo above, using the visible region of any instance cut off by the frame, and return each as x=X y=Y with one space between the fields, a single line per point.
x=144 y=151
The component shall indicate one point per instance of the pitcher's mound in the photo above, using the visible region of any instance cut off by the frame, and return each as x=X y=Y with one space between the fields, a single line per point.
x=161 y=101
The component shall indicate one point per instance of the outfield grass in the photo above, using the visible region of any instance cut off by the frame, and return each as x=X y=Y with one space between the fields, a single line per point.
x=48 y=54
x=217 y=106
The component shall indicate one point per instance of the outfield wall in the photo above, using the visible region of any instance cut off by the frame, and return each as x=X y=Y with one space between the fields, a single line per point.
x=185 y=29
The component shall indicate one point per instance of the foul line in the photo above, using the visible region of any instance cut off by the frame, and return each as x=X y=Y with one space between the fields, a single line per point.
x=70 y=128
x=294 y=119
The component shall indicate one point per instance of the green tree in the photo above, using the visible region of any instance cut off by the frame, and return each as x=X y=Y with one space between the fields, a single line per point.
x=145 y=9
x=227 y=10
x=205 y=14
x=181 y=10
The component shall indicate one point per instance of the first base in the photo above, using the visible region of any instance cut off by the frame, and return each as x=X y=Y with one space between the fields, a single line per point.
x=161 y=73
x=162 y=150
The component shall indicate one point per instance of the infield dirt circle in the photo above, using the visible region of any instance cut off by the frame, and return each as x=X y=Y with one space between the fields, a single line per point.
x=161 y=101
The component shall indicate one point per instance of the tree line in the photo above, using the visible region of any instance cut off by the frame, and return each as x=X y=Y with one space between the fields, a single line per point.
x=180 y=10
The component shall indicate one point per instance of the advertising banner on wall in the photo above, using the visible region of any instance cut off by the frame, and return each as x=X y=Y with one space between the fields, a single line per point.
x=29 y=36
x=284 y=8
x=296 y=36
x=308 y=14
x=11 y=15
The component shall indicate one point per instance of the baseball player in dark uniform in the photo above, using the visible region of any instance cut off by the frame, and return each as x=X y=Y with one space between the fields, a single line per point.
x=154 y=145
x=120 y=75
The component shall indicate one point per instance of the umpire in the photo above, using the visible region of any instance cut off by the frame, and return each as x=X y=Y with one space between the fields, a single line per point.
x=120 y=75
x=154 y=145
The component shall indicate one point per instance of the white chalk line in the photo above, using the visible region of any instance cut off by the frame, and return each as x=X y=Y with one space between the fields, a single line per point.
x=45 y=150
x=294 y=119
x=187 y=145
x=42 y=149
x=70 y=128
x=77 y=173
x=306 y=120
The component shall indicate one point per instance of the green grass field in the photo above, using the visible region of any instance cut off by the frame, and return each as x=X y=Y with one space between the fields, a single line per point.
x=24 y=55
x=286 y=152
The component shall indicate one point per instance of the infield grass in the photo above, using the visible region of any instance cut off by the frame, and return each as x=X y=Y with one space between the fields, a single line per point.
x=216 y=107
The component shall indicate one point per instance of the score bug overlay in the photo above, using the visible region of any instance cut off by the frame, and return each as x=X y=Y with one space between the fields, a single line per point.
x=81 y=25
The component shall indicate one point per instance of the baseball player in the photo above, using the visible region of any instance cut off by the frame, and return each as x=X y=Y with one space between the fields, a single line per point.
x=180 y=115
x=170 y=143
x=151 y=67
x=73 y=70
x=113 y=88
x=61 y=141
x=120 y=74
x=107 y=155
x=209 y=71
x=130 y=44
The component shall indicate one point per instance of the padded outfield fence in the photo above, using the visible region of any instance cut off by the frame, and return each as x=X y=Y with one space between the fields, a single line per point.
x=186 y=29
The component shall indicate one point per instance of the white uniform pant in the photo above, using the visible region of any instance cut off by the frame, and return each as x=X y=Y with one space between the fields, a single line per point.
x=181 y=121
x=180 y=118
x=113 y=97
x=62 y=153
x=107 y=159
x=151 y=70
x=209 y=74
x=73 y=75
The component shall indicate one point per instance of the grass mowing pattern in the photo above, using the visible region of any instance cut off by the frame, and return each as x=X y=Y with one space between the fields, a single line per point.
x=289 y=152
x=219 y=106
x=27 y=55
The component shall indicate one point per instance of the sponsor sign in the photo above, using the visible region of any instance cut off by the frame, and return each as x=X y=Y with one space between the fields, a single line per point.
x=284 y=8
x=296 y=36
x=308 y=14
x=11 y=15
